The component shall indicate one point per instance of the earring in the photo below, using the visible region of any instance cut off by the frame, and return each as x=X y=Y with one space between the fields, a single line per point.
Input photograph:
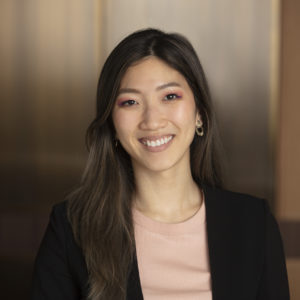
x=199 y=128
x=116 y=143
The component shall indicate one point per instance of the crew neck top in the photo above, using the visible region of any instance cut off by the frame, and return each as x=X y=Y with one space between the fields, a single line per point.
x=173 y=257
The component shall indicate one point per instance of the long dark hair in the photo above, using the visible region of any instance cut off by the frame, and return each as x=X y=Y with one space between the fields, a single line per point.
x=100 y=209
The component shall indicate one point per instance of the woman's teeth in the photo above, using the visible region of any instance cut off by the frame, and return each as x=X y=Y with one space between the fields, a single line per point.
x=157 y=142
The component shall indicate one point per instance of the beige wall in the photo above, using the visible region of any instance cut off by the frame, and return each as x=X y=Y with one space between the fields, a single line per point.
x=50 y=60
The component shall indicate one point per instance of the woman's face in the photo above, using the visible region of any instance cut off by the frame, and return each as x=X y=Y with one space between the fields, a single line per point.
x=155 y=116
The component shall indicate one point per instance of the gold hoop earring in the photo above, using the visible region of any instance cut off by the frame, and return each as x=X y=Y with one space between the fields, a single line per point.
x=199 y=128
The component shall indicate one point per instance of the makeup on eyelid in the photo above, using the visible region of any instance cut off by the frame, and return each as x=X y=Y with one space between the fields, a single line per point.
x=122 y=102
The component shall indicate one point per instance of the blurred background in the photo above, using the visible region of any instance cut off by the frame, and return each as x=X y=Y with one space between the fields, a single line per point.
x=51 y=53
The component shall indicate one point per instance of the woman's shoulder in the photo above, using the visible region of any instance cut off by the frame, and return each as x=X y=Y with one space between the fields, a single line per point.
x=234 y=201
x=59 y=218
x=60 y=207
x=59 y=211
x=229 y=195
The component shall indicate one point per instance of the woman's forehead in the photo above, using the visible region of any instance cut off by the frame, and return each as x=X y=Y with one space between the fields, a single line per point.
x=151 y=71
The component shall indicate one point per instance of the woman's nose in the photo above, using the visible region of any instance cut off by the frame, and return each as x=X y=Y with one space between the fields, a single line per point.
x=153 y=118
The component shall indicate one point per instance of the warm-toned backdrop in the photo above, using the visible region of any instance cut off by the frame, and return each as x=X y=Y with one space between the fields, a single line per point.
x=51 y=55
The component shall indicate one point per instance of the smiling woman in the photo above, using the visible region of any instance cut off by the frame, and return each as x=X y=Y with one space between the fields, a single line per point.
x=150 y=219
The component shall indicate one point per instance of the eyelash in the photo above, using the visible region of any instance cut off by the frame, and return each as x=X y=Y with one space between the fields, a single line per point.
x=172 y=94
x=131 y=102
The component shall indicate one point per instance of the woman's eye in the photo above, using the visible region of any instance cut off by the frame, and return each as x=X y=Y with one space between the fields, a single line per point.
x=128 y=103
x=171 y=97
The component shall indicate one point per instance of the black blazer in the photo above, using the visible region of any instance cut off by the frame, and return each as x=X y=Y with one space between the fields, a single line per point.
x=245 y=254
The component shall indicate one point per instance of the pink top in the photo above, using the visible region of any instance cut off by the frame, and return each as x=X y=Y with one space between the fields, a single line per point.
x=173 y=258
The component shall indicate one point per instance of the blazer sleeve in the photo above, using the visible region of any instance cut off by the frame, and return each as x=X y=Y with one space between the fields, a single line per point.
x=274 y=280
x=52 y=278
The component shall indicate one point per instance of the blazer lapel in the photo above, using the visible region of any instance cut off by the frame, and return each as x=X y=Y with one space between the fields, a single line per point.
x=134 y=290
x=220 y=238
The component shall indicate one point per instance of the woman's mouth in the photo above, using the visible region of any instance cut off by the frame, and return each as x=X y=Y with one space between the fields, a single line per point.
x=156 y=142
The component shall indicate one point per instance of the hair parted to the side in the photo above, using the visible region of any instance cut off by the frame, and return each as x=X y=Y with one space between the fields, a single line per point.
x=100 y=209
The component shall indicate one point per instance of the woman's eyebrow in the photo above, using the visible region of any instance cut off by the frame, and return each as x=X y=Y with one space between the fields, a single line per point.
x=128 y=90
x=166 y=85
x=161 y=87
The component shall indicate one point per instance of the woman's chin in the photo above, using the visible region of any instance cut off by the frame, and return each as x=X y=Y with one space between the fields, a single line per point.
x=156 y=165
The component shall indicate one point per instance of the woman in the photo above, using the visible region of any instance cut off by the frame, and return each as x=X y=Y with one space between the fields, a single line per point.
x=149 y=220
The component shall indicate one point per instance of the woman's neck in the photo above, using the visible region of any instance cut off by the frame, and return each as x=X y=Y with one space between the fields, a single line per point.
x=168 y=196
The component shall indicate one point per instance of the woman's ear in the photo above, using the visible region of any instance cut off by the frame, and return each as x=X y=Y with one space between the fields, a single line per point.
x=198 y=119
